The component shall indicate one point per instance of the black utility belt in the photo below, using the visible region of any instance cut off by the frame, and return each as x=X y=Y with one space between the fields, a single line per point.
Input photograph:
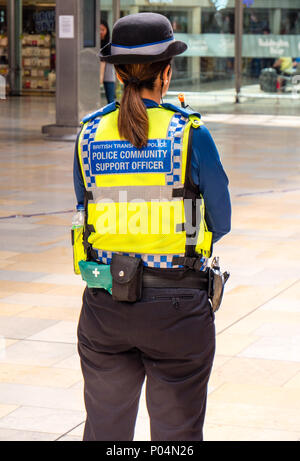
x=129 y=277
x=126 y=277
x=187 y=280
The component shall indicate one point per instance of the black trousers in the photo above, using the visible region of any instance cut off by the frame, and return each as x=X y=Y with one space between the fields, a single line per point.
x=169 y=336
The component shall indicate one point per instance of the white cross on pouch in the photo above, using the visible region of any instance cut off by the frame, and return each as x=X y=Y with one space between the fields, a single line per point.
x=96 y=272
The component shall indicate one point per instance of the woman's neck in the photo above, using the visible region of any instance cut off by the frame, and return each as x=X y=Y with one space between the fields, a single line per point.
x=154 y=95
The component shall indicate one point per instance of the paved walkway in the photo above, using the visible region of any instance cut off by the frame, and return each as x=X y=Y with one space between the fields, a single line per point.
x=255 y=383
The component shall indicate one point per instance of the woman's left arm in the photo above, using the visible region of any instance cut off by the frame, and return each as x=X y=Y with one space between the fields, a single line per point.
x=209 y=175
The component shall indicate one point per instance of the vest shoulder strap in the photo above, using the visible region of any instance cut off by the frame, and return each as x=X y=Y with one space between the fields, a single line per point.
x=194 y=116
x=99 y=113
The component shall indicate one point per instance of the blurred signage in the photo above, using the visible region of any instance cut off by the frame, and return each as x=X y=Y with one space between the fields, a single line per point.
x=66 y=26
x=161 y=1
x=220 y=4
x=254 y=46
x=44 y=21
x=280 y=46
x=248 y=3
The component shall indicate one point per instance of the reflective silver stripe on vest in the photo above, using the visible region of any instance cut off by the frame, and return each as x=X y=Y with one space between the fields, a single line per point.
x=129 y=193
x=150 y=48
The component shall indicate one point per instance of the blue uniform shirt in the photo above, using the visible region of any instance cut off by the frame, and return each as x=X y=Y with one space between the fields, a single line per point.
x=207 y=173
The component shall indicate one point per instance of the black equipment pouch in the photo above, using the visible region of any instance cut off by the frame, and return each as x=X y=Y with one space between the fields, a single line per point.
x=127 y=278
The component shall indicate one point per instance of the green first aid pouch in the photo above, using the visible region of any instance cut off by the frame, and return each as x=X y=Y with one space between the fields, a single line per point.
x=96 y=275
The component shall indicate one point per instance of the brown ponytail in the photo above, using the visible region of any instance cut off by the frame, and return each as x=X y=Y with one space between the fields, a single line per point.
x=133 y=122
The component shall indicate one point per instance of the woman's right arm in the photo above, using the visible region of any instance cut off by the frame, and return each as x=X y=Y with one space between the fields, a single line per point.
x=77 y=176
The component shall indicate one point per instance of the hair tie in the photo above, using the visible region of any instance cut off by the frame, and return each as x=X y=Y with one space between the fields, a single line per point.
x=134 y=81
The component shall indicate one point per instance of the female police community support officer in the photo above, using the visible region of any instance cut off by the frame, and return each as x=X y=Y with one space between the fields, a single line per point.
x=144 y=171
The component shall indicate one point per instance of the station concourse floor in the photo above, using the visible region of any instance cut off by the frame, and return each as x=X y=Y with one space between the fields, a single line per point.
x=255 y=383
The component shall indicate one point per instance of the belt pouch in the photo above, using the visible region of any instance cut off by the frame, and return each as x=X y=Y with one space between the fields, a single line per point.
x=96 y=275
x=127 y=278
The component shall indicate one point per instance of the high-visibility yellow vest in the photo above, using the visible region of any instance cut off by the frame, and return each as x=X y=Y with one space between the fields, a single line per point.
x=137 y=202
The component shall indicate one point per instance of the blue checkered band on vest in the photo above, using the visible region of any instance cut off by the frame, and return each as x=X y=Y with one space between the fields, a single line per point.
x=89 y=136
x=175 y=132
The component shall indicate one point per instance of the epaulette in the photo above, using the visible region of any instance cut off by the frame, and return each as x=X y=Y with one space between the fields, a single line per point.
x=105 y=110
x=186 y=112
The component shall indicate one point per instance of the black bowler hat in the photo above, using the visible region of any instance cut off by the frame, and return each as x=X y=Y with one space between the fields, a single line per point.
x=141 y=37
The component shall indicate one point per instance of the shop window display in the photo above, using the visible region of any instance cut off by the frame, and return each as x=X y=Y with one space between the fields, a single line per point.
x=219 y=22
x=271 y=39
x=3 y=43
x=290 y=23
x=38 y=49
x=271 y=31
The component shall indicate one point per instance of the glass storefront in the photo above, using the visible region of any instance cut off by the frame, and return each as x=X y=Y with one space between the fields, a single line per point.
x=271 y=48
x=271 y=40
x=203 y=66
x=38 y=45
x=271 y=37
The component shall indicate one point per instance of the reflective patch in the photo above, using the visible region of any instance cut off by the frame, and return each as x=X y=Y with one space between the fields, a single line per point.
x=121 y=157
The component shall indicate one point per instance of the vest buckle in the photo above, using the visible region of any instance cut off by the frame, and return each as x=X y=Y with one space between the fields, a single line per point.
x=194 y=263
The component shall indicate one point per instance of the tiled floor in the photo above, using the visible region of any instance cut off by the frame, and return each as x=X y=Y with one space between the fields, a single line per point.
x=255 y=384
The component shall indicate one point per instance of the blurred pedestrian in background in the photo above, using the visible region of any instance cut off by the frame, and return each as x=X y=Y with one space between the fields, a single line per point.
x=107 y=72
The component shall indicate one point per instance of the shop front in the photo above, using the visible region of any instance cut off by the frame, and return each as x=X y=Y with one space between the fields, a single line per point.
x=271 y=36
x=38 y=47
x=271 y=31
x=37 y=40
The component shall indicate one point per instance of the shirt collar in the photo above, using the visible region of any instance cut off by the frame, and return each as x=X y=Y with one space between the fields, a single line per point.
x=149 y=103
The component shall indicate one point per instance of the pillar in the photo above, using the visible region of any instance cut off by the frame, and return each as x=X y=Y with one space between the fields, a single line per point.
x=194 y=28
x=77 y=64
x=116 y=10
x=275 y=21
x=238 y=18
x=14 y=21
